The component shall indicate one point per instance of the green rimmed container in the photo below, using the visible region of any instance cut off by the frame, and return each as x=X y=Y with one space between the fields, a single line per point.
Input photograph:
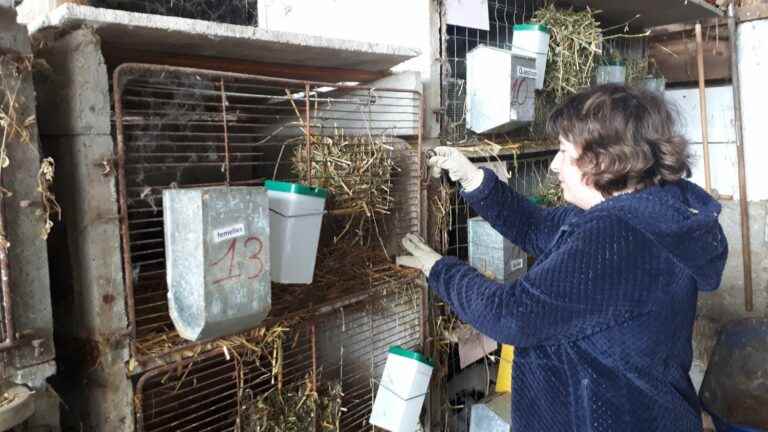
x=402 y=390
x=532 y=40
x=295 y=217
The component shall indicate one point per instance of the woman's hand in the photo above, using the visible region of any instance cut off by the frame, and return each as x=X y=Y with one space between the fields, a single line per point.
x=422 y=256
x=459 y=168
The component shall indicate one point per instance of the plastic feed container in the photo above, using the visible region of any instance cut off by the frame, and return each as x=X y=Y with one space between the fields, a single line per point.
x=532 y=40
x=295 y=218
x=402 y=390
x=615 y=72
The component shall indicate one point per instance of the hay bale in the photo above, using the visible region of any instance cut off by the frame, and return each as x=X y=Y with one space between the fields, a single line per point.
x=357 y=171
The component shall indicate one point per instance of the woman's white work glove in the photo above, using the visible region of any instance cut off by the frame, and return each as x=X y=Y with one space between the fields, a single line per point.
x=422 y=256
x=459 y=168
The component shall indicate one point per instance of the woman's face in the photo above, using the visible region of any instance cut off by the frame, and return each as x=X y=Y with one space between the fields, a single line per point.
x=575 y=188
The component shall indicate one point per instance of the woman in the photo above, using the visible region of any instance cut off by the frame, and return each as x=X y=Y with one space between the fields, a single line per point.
x=603 y=322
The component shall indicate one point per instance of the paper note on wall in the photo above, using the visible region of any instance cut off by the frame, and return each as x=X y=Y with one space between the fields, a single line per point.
x=468 y=13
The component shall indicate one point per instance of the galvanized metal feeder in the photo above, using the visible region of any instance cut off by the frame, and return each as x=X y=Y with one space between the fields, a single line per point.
x=218 y=260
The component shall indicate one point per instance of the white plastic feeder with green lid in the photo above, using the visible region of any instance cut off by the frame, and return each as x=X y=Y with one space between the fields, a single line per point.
x=295 y=218
x=402 y=389
x=532 y=40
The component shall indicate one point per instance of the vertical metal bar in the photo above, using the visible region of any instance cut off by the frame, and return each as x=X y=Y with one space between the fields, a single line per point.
x=308 y=135
x=746 y=248
x=226 y=130
x=5 y=280
x=313 y=342
x=703 y=107
x=422 y=228
x=122 y=187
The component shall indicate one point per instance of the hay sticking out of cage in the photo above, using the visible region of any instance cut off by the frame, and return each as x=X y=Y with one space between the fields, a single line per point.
x=50 y=207
x=357 y=171
x=261 y=341
x=574 y=45
x=296 y=410
x=637 y=69
x=548 y=190
x=6 y=399
x=442 y=216
x=16 y=128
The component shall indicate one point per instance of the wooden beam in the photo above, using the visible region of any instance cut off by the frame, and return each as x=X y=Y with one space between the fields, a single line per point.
x=676 y=58
x=752 y=12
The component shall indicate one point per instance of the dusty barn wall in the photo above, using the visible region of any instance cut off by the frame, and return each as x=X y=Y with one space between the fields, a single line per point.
x=412 y=23
x=752 y=52
x=727 y=303
x=74 y=111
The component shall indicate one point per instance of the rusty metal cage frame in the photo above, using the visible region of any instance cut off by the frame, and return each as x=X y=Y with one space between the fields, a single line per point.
x=7 y=329
x=180 y=395
x=377 y=280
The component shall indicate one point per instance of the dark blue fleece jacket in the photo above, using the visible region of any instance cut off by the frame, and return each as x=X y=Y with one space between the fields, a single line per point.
x=603 y=322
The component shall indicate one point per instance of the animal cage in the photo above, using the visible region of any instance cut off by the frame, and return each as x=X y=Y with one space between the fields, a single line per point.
x=530 y=175
x=180 y=128
x=228 y=390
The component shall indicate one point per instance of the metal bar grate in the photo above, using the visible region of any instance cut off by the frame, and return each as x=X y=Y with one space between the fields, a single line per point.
x=529 y=177
x=211 y=391
x=180 y=127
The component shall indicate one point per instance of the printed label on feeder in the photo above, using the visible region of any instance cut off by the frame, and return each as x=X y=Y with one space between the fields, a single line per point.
x=227 y=233
x=516 y=264
x=527 y=72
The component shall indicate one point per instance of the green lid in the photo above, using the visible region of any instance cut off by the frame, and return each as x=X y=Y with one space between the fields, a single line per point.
x=398 y=350
x=530 y=27
x=296 y=188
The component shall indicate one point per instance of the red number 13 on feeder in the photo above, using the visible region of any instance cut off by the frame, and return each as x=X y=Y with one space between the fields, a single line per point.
x=254 y=246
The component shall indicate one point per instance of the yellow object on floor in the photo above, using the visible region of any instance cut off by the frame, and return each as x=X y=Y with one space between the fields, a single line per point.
x=504 y=376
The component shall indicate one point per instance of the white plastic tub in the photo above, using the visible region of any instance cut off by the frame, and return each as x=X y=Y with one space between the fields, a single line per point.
x=532 y=40
x=615 y=73
x=295 y=217
x=402 y=390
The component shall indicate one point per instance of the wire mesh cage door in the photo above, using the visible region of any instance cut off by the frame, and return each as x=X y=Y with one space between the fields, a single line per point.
x=189 y=128
x=182 y=128
x=326 y=380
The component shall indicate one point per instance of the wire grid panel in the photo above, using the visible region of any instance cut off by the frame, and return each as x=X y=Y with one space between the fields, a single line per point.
x=347 y=347
x=529 y=177
x=353 y=344
x=211 y=392
x=458 y=41
x=182 y=128
x=241 y=12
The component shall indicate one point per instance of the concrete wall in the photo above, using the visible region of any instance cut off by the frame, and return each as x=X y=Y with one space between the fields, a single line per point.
x=728 y=303
x=721 y=134
x=395 y=22
x=74 y=113
x=32 y=362
x=752 y=54
x=412 y=23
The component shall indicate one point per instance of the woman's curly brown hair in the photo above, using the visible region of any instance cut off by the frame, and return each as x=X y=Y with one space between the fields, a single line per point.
x=627 y=138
